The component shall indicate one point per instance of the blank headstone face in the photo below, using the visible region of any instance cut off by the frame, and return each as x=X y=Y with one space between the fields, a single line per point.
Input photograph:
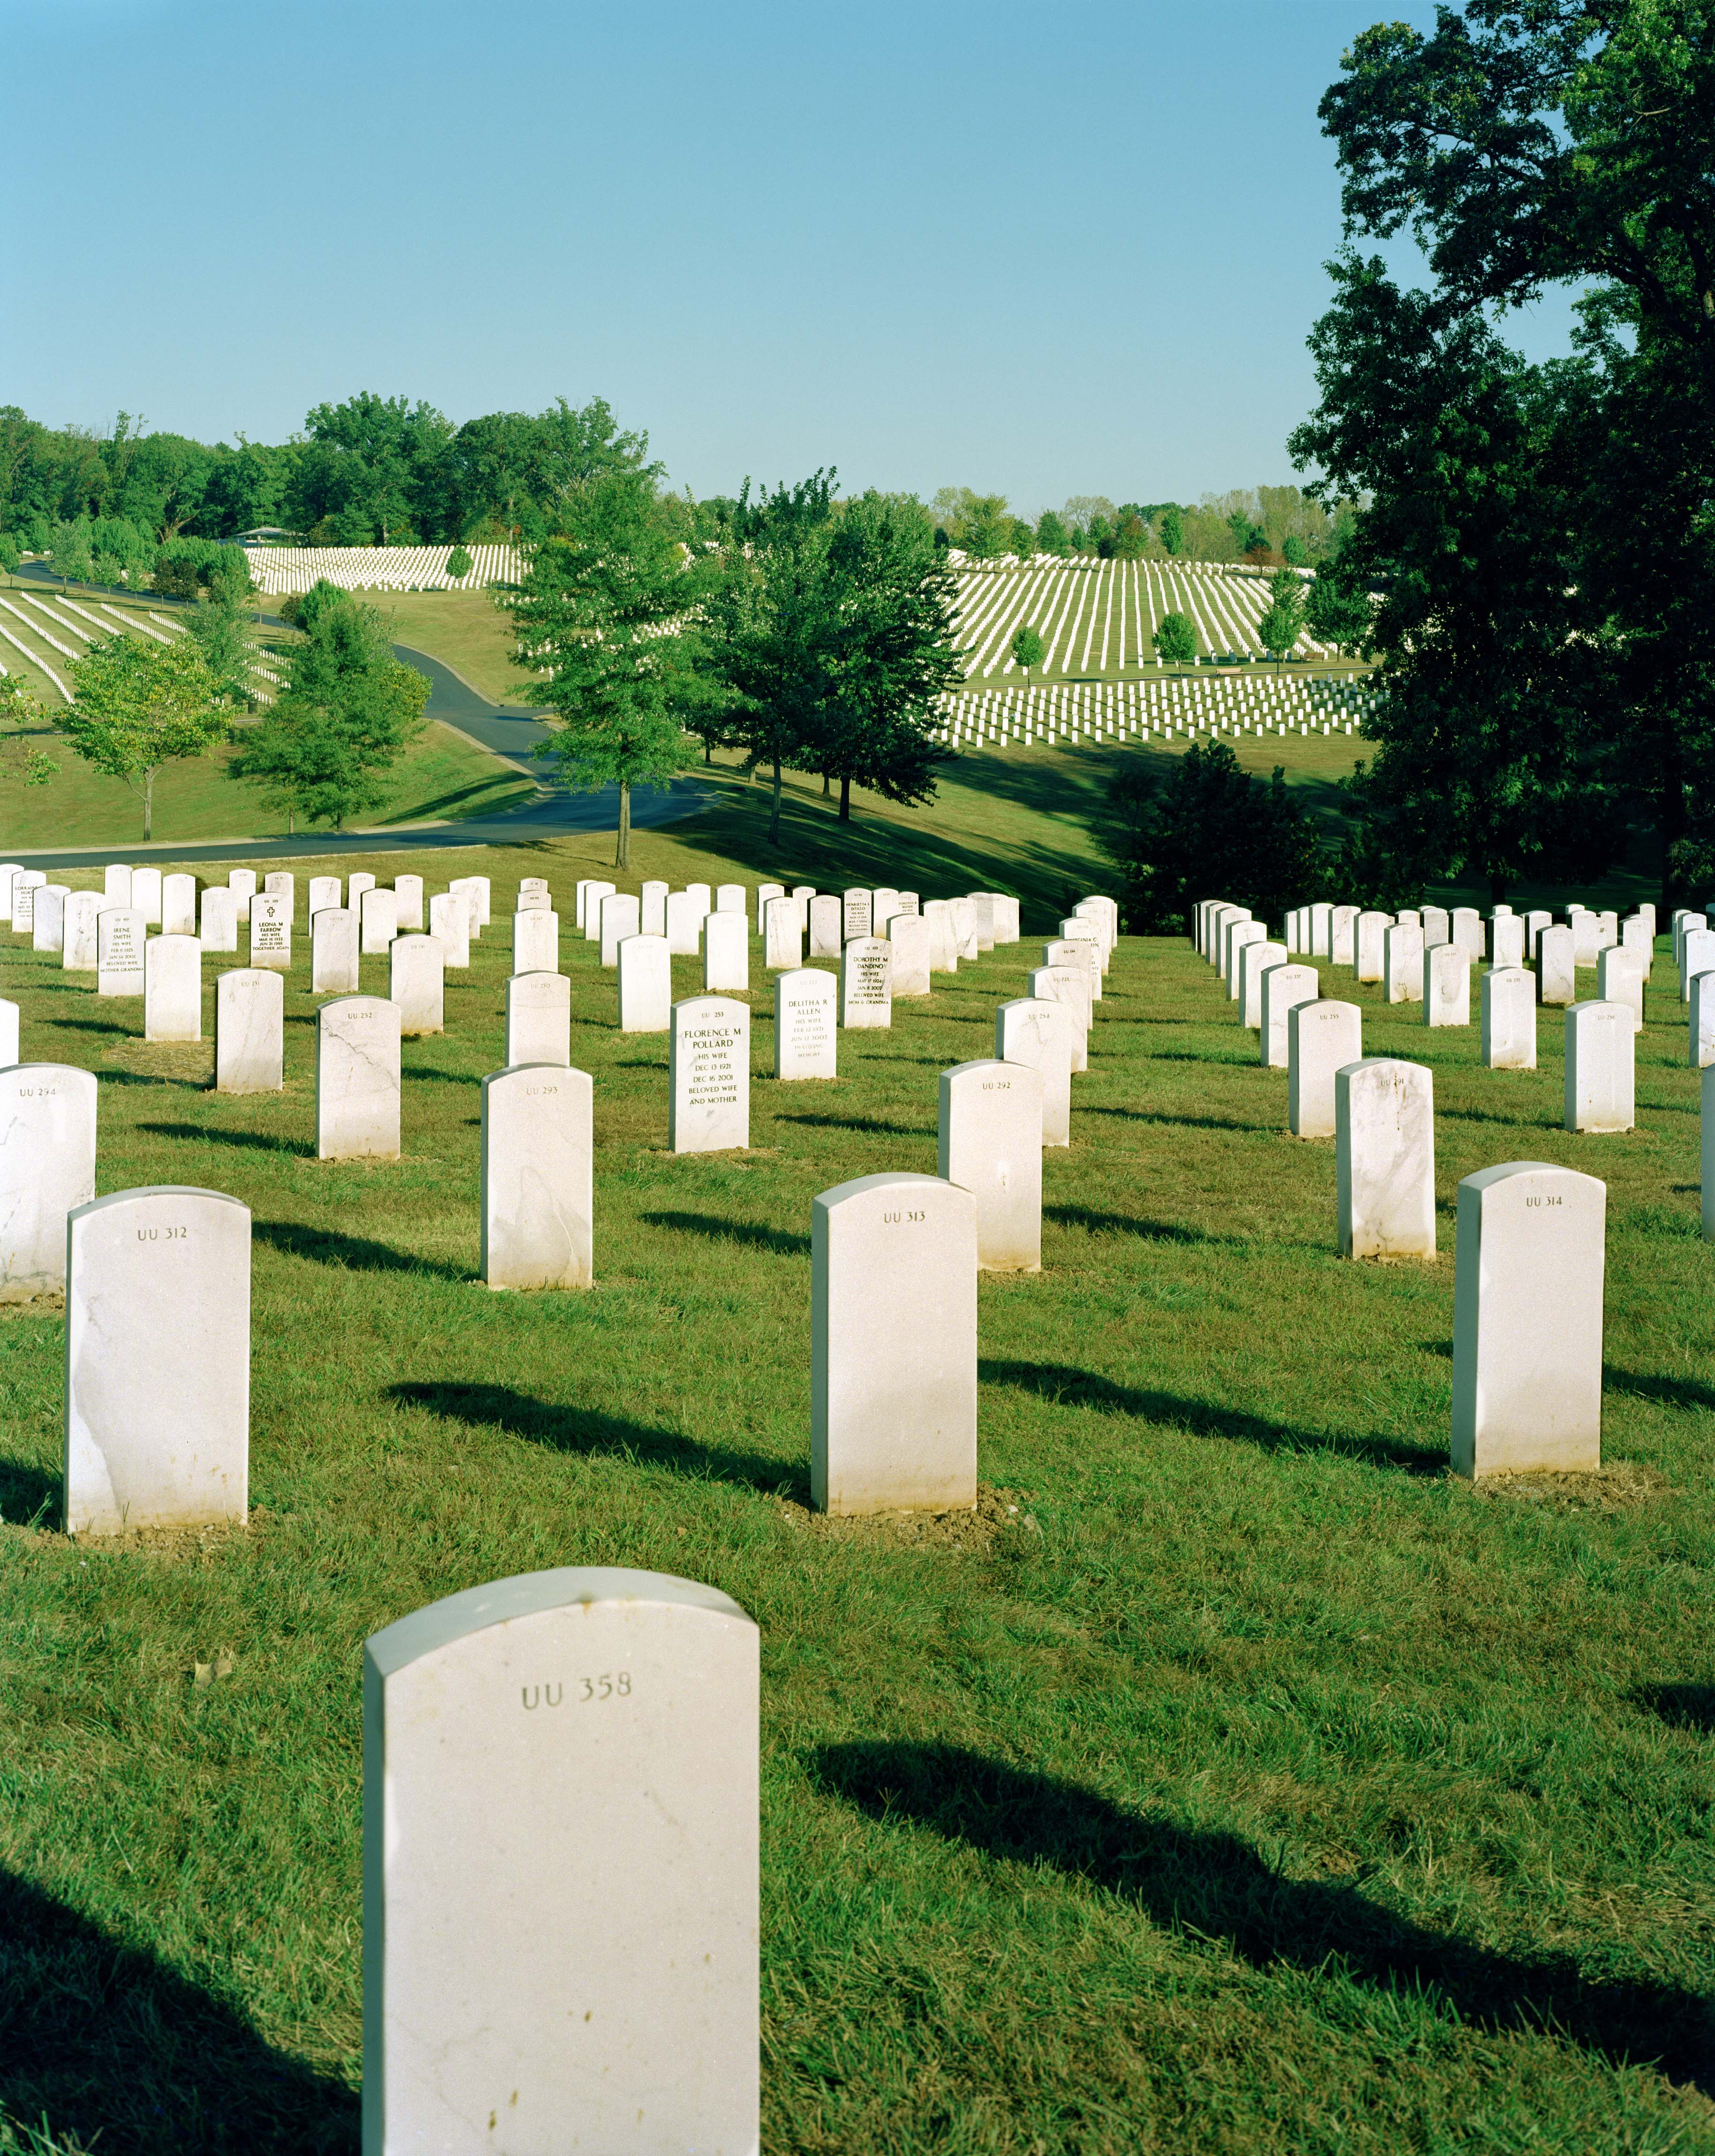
x=536 y=942
x=705 y=899
x=281 y=883
x=324 y=890
x=270 y=932
x=1528 y=1322
x=380 y=919
x=25 y=886
x=827 y=924
x=1237 y=934
x=1446 y=985
x=83 y=909
x=219 y=929
x=782 y=936
x=1038 y=1033
x=333 y=951
x=120 y=936
x=1586 y=936
x=8 y=1033
x=449 y=924
x=1437 y=927
x=943 y=944
x=1220 y=919
x=856 y=913
x=408 y=895
x=1284 y=988
x=8 y=869
x=620 y=914
x=908 y=939
x=1509 y=1019
x=240 y=882
x=1619 y=981
x=593 y=898
x=1069 y=985
x=708 y=1077
x=1384 y=1158
x=1321 y=926
x=157 y=1361
x=603 y=1995
x=893 y=1427
x=804 y=893
x=884 y=904
x=116 y=884
x=361 y=881
x=416 y=983
x=1006 y=918
x=178 y=906
x=1535 y=924
x=1370 y=961
x=1697 y=956
x=1601 y=1065
x=172 y=989
x=1507 y=939
x=730 y=898
x=1402 y=957
x=984 y=905
x=1467 y=926
x=652 y=909
x=538 y=1018
x=538 y=1156
x=991 y=1145
x=727 y=954
x=867 y=982
x=479 y=890
x=804 y=1030
x=1343 y=934
x=1408 y=917
x=1254 y=962
x=47 y=927
x=1322 y=1039
x=965 y=923
x=1295 y=934
x=765 y=891
x=1555 y=984
x=1637 y=936
x=47 y=1167
x=646 y=984
x=249 y=1031
x=357 y=1079
x=684 y=918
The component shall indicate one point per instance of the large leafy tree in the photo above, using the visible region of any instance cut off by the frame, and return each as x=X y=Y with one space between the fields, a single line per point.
x=347 y=714
x=138 y=705
x=609 y=614
x=1527 y=146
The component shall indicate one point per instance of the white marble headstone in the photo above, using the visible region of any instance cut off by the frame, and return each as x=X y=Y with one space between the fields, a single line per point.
x=727 y=954
x=990 y=1143
x=1446 y=985
x=120 y=936
x=804 y=1031
x=1509 y=1019
x=408 y=895
x=172 y=989
x=646 y=984
x=449 y=924
x=1284 y=988
x=620 y=913
x=908 y=942
x=709 y=1075
x=783 y=934
x=538 y=1018
x=538 y=1177
x=47 y=1167
x=416 y=981
x=652 y=908
x=249 y=1031
x=1037 y=1032
x=867 y=982
x=357 y=1079
x=270 y=932
x=380 y=922
x=827 y=927
x=685 y=918
x=1601 y=1056
x=77 y=953
x=855 y=913
x=1321 y=1038
x=333 y=951
x=324 y=890
x=220 y=927
x=536 y=942
x=1384 y=1158
x=178 y=906
x=1555 y=973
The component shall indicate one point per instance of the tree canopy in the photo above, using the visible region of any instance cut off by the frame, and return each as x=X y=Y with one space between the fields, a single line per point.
x=138 y=705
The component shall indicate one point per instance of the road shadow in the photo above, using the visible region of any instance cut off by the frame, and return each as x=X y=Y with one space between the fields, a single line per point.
x=1212 y=1886
x=781 y=1241
x=872 y=1125
x=1118 y=1224
x=132 y=2059
x=245 y=1140
x=1068 y=1387
x=28 y=1495
x=1680 y=1706
x=352 y=1254
x=1667 y=1391
x=581 y=1430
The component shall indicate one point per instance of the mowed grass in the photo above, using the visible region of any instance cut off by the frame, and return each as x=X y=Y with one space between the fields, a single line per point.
x=466 y=630
x=1253 y=1787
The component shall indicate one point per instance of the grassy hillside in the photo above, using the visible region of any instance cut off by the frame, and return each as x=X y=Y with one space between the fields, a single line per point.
x=1252 y=1787
x=465 y=629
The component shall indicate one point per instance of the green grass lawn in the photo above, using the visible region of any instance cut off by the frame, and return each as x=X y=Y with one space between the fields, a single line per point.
x=1254 y=1787
x=464 y=629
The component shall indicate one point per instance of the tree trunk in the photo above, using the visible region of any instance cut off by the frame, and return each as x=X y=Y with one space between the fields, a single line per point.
x=621 y=852
x=774 y=809
x=148 y=805
x=708 y=750
x=845 y=800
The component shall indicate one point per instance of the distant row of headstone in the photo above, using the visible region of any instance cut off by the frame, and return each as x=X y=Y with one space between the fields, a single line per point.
x=1530 y=1235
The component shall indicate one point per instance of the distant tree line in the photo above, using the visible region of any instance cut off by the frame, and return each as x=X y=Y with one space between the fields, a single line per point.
x=1269 y=527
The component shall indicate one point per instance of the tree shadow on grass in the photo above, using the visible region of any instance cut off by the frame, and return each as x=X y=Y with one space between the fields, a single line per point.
x=1681 y=1706
x=1210 y=1886
x=247 y=1141
x=871 y=1124
x=133 y=2059
x=580 y=1430
x=1187 y=1123
x=1668 y=1392
x=352 y=1254
x=781 y=1241
x=1119 y=1223
x=28 y=1495
x=1068 y=1387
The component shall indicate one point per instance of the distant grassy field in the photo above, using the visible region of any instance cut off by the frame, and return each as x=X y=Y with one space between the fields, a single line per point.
x=465 y=629
x=1255 y=1786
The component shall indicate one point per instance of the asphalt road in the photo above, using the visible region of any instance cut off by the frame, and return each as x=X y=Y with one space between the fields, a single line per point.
x=517 y=735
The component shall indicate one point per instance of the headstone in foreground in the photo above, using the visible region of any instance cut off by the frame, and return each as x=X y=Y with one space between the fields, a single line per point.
x=538 y=1018
x=8 y=1033
x=990 y=1143
x=603 y=1995
x=157 y=1361
x=120 y=936
x=172 y=989
x=1384 y=1158
x=46 y=1168
x=1284 y=987
x=357 y=1079
x=1322 y=1039
x=416 y=981
x=709 y=1075
x=538 y=1177
x=893 y=1258
x=249 y=1031
x=1601 y=1056
x=1509 y=1019
x=1037 y=1032
x=805 y=1037
x=1528 y=1322
x=646 y=984
x=727 y=954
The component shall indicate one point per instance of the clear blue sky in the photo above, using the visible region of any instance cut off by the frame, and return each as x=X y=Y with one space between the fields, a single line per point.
x=1044 y=249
